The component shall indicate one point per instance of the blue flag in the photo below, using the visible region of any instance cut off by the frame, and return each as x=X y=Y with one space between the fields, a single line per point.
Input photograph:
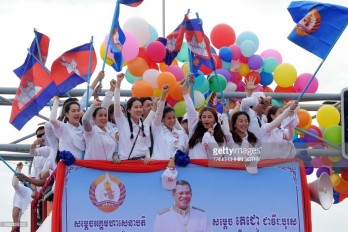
x=39 y=47
x=132 y=3
x=319 y=25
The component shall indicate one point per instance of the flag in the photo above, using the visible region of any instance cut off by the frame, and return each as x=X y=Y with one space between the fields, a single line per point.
x=198 y=44
x=71 y=68
x=35 y=90
x=38 y=47
x=117 y=39
x=132 y=3
x=173 y=42
x=319 y=25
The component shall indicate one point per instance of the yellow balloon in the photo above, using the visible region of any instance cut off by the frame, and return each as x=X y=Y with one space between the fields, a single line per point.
x=243 y=69
x=328 y=115
x=157 y=92
x=109 y=61
x=285 y=75
x=186 y=69
x=335 y=159
x=335 y=179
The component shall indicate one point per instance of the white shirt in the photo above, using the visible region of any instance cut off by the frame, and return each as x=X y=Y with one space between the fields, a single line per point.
x=22 y=196
x=168 y=220
x=166 y=142
x=142 y=144
x=100 y=145
x=38 y=163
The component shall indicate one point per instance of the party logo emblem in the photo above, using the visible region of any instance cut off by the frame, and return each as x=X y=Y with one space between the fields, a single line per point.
x=309 y=24
x=107 y=193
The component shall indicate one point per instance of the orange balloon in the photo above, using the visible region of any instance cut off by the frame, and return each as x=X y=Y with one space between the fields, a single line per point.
x=137 y=66
x=163 y=67
x=142 y=88
x=175 y=92
x=304 y=118
x=342 y=187
x=166 y=78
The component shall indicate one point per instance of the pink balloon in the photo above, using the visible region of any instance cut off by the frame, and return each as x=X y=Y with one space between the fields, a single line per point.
x=302 y=81
x=130 y=47
x=272 y=53
x=156 y=51
x=236 y=52
x=177 y=71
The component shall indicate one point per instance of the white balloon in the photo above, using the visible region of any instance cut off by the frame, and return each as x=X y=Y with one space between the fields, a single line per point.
x=199 y=99
x=230 y=88
x=140 y=28
x=151 y=76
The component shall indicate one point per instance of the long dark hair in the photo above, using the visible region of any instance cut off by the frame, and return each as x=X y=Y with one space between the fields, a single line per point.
x=237 y=139
x=200 y=129
x=129 y=106
x=272 y=110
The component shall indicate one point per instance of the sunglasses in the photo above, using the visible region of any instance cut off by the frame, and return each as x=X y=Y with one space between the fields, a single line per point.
x=40 y=135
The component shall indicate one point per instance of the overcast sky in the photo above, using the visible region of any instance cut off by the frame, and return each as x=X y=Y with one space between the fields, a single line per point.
x=70 y=23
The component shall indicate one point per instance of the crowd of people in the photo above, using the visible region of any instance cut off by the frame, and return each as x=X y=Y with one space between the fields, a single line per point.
x=148 y=129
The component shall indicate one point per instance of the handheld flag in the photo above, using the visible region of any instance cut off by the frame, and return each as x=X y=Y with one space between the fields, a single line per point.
x=35 y=90
x=198 y=44
x=39 y=47
x=319 y=25
x=173 y=42
x=71 y=68
x=132 y=3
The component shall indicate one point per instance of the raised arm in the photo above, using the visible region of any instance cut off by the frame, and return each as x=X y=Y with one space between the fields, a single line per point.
x=160 y=107
x=83 y=101
x=87 y=117
x=53 y=117
x=117 y=105
x=192 y=116
x=108 y=95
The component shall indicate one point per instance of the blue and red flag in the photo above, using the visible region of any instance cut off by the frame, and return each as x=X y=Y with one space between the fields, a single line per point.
x=71 y=68
x=132 y=3
x=39 y=47
x=319 y=25
x=198 y=44
x=173 y=42
x=35 y=90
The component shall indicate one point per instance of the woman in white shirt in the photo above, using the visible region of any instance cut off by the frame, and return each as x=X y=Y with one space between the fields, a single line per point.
x=100 y=142
x=69 y=132
x=134 y=135
x=167 y=139
x=277 y=136
x=205 y=132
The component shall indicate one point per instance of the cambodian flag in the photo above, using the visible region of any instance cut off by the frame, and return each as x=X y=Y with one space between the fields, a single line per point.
x=71 y=68
x=173 y=42
x=35 y=90
x=198 y=44
x=132 y=3
x=319 y=25
x=39 y=47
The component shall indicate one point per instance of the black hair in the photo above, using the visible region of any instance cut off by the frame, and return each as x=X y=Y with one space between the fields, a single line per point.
x=71 y=99
x=167 y=110
x=143 y=99
x=182 y=182
x=67 y=108
x=272 y=110
x=180 y=119
x=96 y=111
x=129 y=106
x=39 y=128
x=252 y=139
x=200 y=129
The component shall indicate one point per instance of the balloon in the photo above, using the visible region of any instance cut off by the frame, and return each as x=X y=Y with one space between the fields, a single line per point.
x=201 y=84
x=309 y=170
x=289 y=89
x=266 y=78
x=222 y=35
x=177 y=72
x=166 y=78
x=236 y=52
x=183 y=53
x=236 y=77
x=243 y=69
x=300 y=143
x=230 y=88
x=248 y=48
x=247 y=35
x=328 y=115
x=137 y=66
x=226 y=65
x=309 y=139
x=186 y=68
x=109 y=58
x=253 y=75
x=321 y=170
x=156 y=51
x=272 y=53
x=180 y=108
x=225 y=54
x=215 y=81
x=164 y=66
x=333 y=134
x=243 y=59
x=285 y=75
x=142 y=54
x=302 y=80
x=130 y=78
x=240 y=86
x=269 y=64
x=314 y=127
x=255 y=62
x=139 y=28
x=150 y=76
x=304 y=118
x=235 y=65
x=153 y=33
x=278 y=103
x=199 y=99
x=175 y=92
x=267 y=89
x=141 y=88
x=224 y=73
x=130 y=47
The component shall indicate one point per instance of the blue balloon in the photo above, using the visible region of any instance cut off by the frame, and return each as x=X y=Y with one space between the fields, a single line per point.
x=247 y=35
x=266 y=78
x=300 y=143
x=225 y=54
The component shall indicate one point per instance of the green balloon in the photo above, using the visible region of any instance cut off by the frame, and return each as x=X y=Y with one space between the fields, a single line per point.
x=183 y=53
x=201 y=84
x=180 y=108
x=130 y=78
x=333 y=134
x=279 y=103
x=214 y=81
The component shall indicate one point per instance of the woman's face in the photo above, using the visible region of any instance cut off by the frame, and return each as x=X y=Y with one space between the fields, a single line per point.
x=278 y=112
x=74 y=114
x=147 y=106
x=242 y=124
x=136 y=111
x=101 y=118
x=169 y=120
x=208 y=119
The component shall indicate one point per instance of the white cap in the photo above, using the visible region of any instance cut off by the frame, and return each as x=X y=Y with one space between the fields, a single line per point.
x=169 y=178
x=258 y=94
x=184 y=117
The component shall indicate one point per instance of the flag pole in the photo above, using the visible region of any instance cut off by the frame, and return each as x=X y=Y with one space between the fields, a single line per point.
x=9 y=166
x=89 y=70
x=110 y=33
x=163 y=18
x=38 y=45
x=321 y=63
x=40 y=63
